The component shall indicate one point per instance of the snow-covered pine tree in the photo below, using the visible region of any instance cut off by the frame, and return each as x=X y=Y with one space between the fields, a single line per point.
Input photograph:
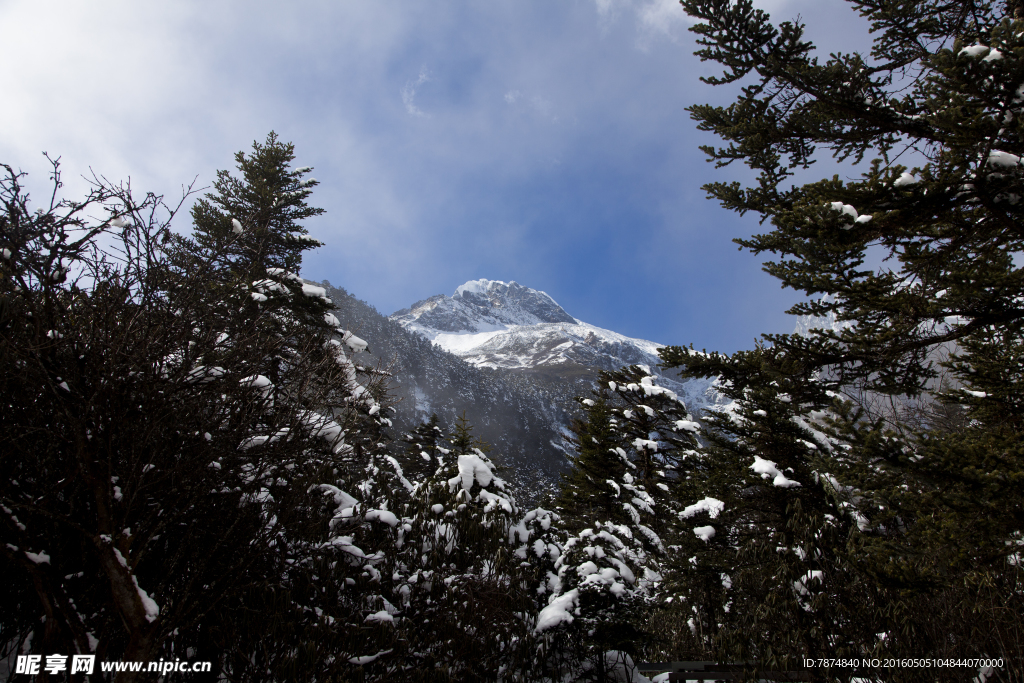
x=596 y=591
x=629 y=445
x=939 y=503
x=423 y=449
x=184 y=428
x=308 y=379
x=457 y=604
x=762 y=572
x=657 y=432
x=629 y=449
x=585 y=491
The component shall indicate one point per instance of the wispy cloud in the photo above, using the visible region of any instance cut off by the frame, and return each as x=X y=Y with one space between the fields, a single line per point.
x=655 y=19
x=409 y=93
x=538 y=105
x=662 y=19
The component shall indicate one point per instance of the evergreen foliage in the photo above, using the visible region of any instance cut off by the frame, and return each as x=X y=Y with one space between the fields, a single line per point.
x=209 y=474
x=168 y=431
x=193 y=464
x=446 y=581
x=585 y=492
x=616 y=503
x=424 y=449
x=252 y=222
x=761 y=540
x=520 y=415
x=912 y=513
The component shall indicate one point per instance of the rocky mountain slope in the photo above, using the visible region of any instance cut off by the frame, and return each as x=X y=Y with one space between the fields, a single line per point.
x=518 y=330
x=522 y=421
x=509 y=358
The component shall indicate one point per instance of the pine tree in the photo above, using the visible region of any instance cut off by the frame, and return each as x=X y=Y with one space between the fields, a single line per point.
x=184 y=429
x=585 y=492
x=616 y=502
x=253 y=222
x=423 y=450
x=937 y=509
x=657 y=433
x=462 y=440
x=762 y=572
x=446 y=575
x=629 y=451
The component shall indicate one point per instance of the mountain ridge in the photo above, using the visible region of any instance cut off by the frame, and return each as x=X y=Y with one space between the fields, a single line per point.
x=514 y=381
x=490 y=323
x=480 y=306
x=523 y=420
x=508 y=327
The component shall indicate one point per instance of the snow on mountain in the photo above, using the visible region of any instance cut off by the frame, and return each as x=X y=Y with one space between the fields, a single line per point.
x=522 y=418
x=507 y=358
x=494 y=324
x=506 y=326
x=482 y=307
x=805 y=324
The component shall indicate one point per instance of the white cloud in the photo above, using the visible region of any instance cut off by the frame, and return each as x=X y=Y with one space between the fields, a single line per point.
x=655 y=19
x=409 y=93
x=162 y=92
x=88 y=81
x=771 y=6
x=662 y=19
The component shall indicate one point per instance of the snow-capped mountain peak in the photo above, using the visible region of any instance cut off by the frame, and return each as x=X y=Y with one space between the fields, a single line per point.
x=481 y=306
x=490 y=323
x=521 y=337
x=499 y=325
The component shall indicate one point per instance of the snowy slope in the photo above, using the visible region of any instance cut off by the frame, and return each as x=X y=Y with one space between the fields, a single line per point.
x=506 y=326
x=494 y=324
x=806 y=323
x=523 y=419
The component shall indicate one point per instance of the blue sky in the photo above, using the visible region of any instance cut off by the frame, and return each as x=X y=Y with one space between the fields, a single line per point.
x=539 y=141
